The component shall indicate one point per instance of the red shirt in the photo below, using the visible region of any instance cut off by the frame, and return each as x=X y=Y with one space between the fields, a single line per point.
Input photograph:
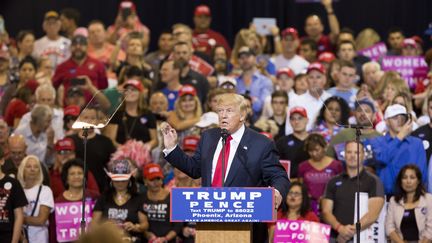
x=310 y=216
x=323 y=44
x=205 y=42
x=57 y=186
x=69 y=69
x=15 y=109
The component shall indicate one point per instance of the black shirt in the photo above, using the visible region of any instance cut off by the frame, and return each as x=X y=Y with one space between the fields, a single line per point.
x=158 y=215
x=281 y=127
x=425 y=133
x=12 y=196
x=99 y=150
x=134 y=127
x=127 y=212
x=408 y=226
x=291 y=148
x=341 y=190
x=199 y=82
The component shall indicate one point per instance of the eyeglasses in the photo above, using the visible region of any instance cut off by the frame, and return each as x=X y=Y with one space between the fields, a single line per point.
x=295 y=194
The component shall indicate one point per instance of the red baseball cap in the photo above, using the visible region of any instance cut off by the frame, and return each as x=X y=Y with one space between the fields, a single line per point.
x=290 y=31
x=316 y=66
x=127 y=4
x=32 y=85
x=409 y=42
x=187 y=90
x=202 y=10
x=299 y=110
x=72 y=110
x=326 y=57
x=65 y=144
x=286 y=71
x=135 y=83
x=190 y=143
x=152 y=171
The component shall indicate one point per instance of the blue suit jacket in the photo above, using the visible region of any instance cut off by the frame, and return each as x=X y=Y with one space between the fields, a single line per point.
x=255 y=162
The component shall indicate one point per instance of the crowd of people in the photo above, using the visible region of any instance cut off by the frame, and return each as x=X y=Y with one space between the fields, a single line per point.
x=301 y=93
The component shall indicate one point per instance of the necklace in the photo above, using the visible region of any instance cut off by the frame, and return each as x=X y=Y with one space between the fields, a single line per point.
x=73 y=196
x=121 y=198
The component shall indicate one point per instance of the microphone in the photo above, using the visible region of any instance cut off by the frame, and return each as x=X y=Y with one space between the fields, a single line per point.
x=224 y=135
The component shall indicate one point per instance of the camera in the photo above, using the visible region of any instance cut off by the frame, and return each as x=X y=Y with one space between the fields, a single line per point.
x=125 y=12
x=78 y=81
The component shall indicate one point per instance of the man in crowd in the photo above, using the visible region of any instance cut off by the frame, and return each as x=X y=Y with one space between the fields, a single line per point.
x=289 y=57
x=69 y=18
x=364 y=114
x=397 y=148
x=81 y=70
x=251 y=81
x=39 y=135
x=170 y=74
x=345 y=87
x=339 y=197
x=291 y=146
x=308 y=50
x=165 y=46
x=260 y=168
x=425 y=133
x=314 y=28
x=52 y=45
x=279 y=104
x=314 y=99
x=183 y=52
x=395 y=40
x=346 y=51
x=98 y=46
x=204 y=38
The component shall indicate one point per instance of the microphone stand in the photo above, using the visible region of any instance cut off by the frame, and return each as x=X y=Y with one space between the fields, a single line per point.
x=358 y=225
x=83 y=200
x=357 y=139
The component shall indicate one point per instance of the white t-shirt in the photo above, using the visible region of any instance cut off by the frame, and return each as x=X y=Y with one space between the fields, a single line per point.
x=58 y=51
x=298 y=64
x=38 y=233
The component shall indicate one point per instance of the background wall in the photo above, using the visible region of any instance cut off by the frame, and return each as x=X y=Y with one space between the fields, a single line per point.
x=229 y=16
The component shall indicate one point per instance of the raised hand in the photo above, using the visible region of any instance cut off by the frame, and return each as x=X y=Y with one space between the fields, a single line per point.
x=169 y=135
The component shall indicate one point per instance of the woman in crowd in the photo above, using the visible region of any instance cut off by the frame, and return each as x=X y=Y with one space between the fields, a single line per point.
x=121 y=203
x=45 y=70
x=409 y=214
x=27 y=71
x=160 y=229
x=187 y=112
x=40 y=198
x=72 y=174
x=25 y=44
x=15 y=197
x=134 y=120
x=334 y=112
x=367 y=38
x=319 y=169
x=332 y=73
x=296 y=206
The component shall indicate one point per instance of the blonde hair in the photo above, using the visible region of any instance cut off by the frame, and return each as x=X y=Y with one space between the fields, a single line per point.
x=233 y=99
x=241 y=40
x=382 y=83
x=181 y=114
x=367 y=38
x=20 y=173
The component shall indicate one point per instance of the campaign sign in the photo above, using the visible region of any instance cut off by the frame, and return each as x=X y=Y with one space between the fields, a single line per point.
x=413 y=69
x=68 y=219
x=222 y=204
x=301 y=231
x=374 y=52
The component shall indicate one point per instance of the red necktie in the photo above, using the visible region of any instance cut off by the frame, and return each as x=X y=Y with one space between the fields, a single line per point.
x=217 y=178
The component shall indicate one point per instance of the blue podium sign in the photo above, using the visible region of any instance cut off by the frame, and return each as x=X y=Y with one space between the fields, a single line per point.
x=222 y=204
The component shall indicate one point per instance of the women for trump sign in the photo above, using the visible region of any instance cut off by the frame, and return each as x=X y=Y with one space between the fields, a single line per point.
x=68 y=219
x=300 y=231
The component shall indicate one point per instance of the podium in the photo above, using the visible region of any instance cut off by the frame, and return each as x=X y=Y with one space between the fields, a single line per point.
x=222 y=214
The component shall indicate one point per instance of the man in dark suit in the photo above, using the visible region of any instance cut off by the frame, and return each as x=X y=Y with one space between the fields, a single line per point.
x=251 y=158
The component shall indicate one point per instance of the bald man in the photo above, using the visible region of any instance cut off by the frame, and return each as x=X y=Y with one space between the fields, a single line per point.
x=17 y=152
